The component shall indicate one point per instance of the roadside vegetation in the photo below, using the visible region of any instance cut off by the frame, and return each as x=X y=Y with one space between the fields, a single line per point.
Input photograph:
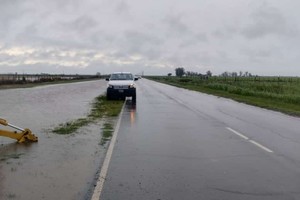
x=10 y=156
x=276 y=93
x=107 y=131
x=100 y=108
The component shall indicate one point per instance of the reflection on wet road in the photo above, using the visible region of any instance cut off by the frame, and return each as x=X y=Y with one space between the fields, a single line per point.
x=130 y=107
x=180 y=144
x=57 y=167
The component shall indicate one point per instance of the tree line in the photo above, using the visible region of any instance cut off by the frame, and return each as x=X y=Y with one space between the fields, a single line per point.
x=180 y=71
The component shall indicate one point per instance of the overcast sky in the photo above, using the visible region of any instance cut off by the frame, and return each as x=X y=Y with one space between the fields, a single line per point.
x=150 y=36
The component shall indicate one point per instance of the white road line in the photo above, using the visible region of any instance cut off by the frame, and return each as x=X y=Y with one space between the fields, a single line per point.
x=261 y=146
x=104 y=169
x=252 y=141
x=237 y=133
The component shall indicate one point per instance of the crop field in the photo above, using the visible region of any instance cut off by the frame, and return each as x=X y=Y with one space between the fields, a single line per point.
x=276 y=93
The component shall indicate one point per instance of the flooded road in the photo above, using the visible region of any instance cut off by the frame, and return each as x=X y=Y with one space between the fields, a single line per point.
x=179 y=144
x=173 y=144
x=57 y=166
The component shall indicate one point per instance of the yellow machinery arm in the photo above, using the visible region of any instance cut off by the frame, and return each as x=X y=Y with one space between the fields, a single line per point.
x=25 y=135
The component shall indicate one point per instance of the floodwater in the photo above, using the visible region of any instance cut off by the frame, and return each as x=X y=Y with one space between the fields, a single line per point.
x=57 y=166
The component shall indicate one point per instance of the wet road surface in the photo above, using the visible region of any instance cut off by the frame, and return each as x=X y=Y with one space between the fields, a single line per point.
x=179 y=144
x=58 y=166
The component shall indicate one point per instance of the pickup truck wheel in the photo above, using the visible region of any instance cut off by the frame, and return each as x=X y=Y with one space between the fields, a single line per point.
x=134 y=98
x=108 y=97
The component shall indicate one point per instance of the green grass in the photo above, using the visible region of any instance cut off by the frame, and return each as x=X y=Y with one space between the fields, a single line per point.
x=11 y=156
x=100 y=108
x=107 y=131
x=276 y=93
x=72 y=126
x=11 y=196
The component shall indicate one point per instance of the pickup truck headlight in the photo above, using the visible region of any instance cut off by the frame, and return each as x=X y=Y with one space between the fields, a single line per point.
x=132 y=86
x=110 y=86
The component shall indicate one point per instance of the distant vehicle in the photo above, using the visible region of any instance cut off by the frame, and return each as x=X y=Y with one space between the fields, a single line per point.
x=121 y=85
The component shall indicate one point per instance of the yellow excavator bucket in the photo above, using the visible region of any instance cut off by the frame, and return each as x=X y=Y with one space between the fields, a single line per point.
x=25 y=135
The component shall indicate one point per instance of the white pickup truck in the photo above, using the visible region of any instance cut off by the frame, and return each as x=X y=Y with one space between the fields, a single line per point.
x=121 y=85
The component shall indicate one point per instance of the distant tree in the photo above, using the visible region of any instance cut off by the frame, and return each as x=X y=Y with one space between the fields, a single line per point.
x=191 y=73
x=234 y=74
x=169 y=74
x=225 y=74
x=179 y=71
x=208 y=73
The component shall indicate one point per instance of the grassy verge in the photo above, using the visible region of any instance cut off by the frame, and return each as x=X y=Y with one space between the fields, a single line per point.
x=280 y=94
x=107 y=131
x=100 y=108
x=11 y=156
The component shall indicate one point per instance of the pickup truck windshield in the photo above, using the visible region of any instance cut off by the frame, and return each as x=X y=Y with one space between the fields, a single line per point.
x=121 y=77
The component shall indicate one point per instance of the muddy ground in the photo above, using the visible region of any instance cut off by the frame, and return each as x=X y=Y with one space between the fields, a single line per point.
x=58 y=166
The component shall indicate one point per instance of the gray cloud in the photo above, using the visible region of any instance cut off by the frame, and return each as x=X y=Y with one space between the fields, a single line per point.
x=175 y=25
x=267 y=20
x=122 y=8
x=202 y=37
x=81 y=24
x=226 y=32
x=151 y=36
x=136 y=42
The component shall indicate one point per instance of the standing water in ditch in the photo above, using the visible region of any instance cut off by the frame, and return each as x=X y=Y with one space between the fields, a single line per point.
x=57 y=166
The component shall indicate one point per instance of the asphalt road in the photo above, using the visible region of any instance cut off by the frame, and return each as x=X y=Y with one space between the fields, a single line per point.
x=180 y=144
